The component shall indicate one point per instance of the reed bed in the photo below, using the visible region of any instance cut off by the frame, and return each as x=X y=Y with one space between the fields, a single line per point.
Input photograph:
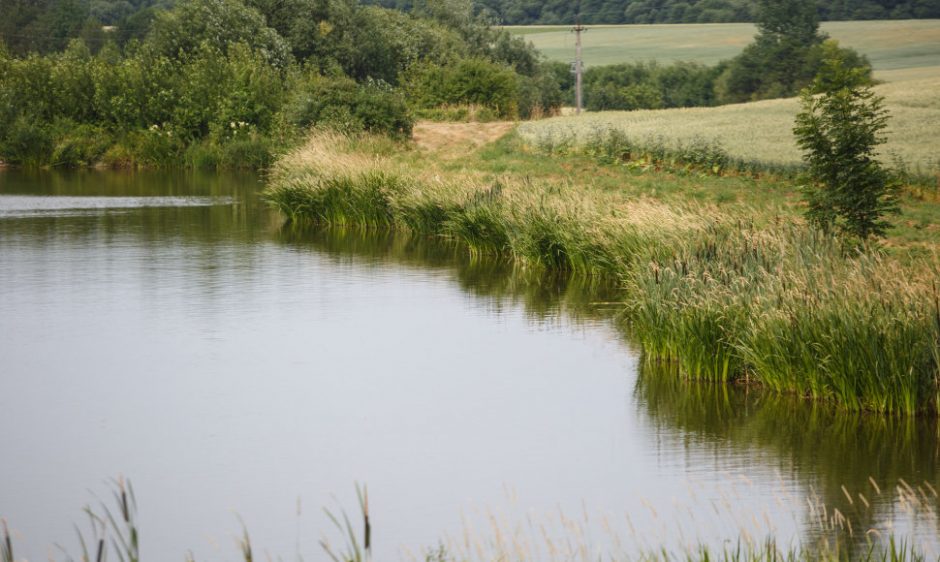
x=732 y=294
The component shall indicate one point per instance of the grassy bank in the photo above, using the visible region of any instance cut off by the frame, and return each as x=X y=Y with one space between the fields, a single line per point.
x=730 y=288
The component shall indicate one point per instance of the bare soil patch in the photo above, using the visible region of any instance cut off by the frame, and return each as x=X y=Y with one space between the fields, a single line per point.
x=453 y=140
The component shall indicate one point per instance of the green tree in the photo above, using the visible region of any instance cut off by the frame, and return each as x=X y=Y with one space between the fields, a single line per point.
x=841 y=124
x=184 y=29
x=776 y=63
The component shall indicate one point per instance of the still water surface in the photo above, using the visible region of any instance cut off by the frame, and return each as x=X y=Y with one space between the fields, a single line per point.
x=168 y=328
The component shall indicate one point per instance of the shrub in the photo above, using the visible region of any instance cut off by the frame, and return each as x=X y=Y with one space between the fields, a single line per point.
x=156 y=146
x=254 y=153
x=647 y=85
x=27 y=142
x=474 y=81
x=539 y=96
x=79 y=145
x=342 y=104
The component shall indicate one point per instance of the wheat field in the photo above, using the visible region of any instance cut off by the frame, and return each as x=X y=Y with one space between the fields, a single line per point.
x=761 y=132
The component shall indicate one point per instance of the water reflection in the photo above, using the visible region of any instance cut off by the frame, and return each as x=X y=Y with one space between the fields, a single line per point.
x=854 y=463
x=544 y=296
x=253 y=361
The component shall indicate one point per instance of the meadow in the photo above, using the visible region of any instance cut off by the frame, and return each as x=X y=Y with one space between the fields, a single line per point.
x=724 y=281
x=898 y=50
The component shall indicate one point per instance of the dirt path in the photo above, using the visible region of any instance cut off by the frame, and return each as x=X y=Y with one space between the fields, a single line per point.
x=454 y=140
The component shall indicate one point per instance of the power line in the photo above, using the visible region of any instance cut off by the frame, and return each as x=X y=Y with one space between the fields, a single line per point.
x=578 y=62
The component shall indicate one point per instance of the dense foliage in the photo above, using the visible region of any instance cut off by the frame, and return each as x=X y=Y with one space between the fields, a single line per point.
x=785 y=56
x=650 y=86
x=228 y=82
x=548 y=12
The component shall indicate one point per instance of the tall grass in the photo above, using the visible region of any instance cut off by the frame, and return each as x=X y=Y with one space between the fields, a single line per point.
x=724 y=295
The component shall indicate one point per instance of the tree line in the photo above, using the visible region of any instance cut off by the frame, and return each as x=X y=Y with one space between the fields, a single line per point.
x=232 y=82
x=48 y=25
x=785 y=57
x=558 y=12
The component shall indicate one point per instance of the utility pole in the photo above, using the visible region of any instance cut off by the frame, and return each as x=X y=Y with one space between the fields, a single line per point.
x=578 y=65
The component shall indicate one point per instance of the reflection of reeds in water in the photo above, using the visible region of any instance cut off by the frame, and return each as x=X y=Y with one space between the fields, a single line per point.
x=833 y=453
x=6 y=547
x=353 y=550
x=108 y=533
x=748 y=534
x=727 y=293
x=716 y=529
x=543 y=295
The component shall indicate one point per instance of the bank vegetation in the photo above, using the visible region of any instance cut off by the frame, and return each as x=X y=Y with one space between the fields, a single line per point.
x=733 y=289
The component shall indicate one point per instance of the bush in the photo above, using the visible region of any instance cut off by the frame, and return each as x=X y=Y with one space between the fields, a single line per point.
x=79 y=145
x=156 y=146
x=649 y=86
x=474 y=81
x=342 y=104
x=253 y=153
x=539 y=96
x=26 y=142
x=203 y=155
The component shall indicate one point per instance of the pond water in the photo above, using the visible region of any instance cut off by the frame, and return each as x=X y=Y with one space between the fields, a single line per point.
x=169 y=328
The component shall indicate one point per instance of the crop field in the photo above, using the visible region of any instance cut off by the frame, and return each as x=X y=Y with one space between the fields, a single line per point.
x=899 y=50
x=761 y=132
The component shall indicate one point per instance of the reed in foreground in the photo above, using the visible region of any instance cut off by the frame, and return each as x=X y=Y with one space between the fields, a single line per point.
x=545 y=538
x=734 y=293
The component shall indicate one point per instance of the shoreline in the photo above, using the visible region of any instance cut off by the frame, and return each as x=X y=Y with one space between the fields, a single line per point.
x=726 y=293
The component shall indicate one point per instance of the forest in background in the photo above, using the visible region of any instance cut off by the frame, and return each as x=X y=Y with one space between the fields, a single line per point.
x=553 y=12
x=47 y=25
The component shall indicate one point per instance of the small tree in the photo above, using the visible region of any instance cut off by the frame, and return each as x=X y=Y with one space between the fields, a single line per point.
x=841 y=123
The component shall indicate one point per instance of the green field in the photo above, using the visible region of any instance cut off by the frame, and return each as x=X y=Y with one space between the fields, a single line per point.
x=899 y=50
x=762 y=132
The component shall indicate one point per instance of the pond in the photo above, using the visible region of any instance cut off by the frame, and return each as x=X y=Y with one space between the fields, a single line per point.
x=169 y=328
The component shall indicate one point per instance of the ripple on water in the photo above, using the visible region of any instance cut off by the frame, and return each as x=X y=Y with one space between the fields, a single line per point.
x=23 y=206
